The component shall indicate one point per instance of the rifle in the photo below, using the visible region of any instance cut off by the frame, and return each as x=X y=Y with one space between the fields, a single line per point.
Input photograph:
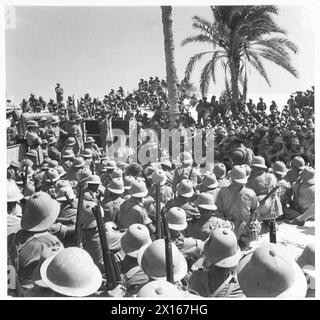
x=158 y=212
x=92 y=167
x=112 y=271
x=25 y=178
x=78 y=226
x=168 y=248
x=268 y=195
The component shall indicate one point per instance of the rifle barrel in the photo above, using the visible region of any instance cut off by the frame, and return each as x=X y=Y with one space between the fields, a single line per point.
x=158 y=213
x=168 y=248
x=106 y=253
x=78 y=226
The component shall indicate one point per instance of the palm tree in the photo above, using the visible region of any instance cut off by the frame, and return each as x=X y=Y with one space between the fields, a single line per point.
x=240 y=36
x=172 y=79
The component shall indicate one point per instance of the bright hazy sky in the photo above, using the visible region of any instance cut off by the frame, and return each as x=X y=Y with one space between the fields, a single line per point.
x=94 y=49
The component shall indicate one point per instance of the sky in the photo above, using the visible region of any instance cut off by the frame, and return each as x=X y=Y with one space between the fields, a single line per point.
x=94 y=49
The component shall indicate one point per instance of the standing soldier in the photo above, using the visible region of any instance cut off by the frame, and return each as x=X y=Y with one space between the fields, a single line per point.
x=43 y=128
x=262 y=182
x=76 y=132
x=236 y=202
x=59 y=94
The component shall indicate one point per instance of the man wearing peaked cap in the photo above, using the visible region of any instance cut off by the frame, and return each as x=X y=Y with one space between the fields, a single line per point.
x=236 y=202
x=39 y=215
x=215 y=272
x=133 y=209
x=135 y=237
x=201 y=228
x=113 y=199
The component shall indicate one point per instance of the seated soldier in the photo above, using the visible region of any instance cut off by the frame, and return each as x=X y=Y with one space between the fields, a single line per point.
x=216 y=275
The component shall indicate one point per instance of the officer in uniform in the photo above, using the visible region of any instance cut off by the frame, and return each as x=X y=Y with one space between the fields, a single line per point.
x=261 y=183
x=236 y=202
x=220 y=172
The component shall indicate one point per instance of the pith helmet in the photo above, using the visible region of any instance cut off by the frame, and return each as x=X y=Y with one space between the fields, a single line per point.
x=136 y=236
x=268 y=271
x=70 y=141
x=160 y=289
x=210 y=181
x=116 y=173
x=219 y=170
x=138 y=189
x=128 y=182
x=205 y=201
x=40 y=212
x=152 y=259
x=221 y=249
x=258 y=162
x=116 y=186
x=238 y=174
x=185 y=188
x=280 y=168
x=71 y=272
x=177 y=219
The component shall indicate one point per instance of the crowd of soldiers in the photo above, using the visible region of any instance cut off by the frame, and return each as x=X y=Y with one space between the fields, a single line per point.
x=210 y=221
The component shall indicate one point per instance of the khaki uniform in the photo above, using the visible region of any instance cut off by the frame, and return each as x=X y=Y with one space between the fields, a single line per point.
x=132 y=211
x=112 y=208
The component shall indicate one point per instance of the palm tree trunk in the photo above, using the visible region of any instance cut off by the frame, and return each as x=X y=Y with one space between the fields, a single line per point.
x=234 y=80
x=172 y=79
